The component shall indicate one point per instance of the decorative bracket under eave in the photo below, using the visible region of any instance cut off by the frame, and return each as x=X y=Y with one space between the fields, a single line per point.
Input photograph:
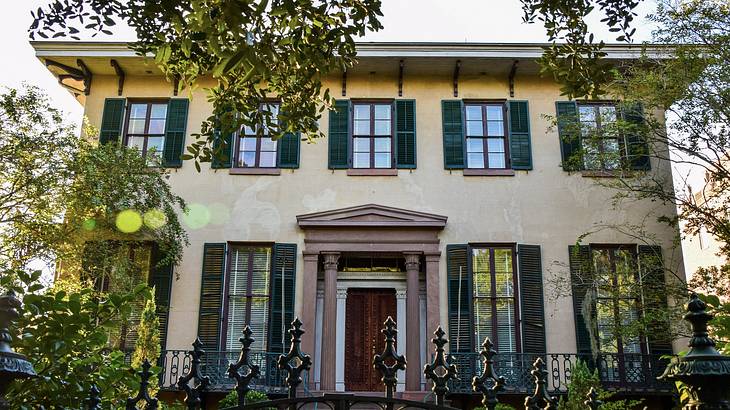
x=344 y=82
x=120 y=74
x=400 y=78
x=512 y=73
x=456 y=78
x=79 y=74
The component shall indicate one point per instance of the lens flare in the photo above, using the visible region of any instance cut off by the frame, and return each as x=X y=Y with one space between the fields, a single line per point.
x=219 y=214
x=129 y=221
x=196 y=216
x=89 y=224
x=154 y=219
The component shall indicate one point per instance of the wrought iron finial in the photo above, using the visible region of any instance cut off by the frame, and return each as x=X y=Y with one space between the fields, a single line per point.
x=244 y=361
x=94 y=398
x=12 y=365
x=488 y=383
x=697 y=316
x=440 y=371
x=143 y=394
x=593 y=403
x=194 y=393
x=540 y=400
x=294 y=378
x=389 y=372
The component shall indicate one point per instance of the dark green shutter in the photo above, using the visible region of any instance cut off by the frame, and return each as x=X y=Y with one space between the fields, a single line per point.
x=405 y=133
x=567 y=113
x=338 y=137
x=453 y=133
x=459 y=281
x=654 y=291
x=581 y=279
x=211 y=295
x=161 y=279
x=288 y=150
x=177 y=120
x=520 y=149
x=222 y=151
x=284 y=267
x=637 y=147
x=112 y=120
x=531 y=296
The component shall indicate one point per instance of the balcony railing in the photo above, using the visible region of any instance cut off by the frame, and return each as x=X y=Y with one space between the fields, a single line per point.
x=635 y=373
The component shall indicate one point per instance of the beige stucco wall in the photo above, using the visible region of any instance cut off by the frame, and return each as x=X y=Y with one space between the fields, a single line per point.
x=546 y=206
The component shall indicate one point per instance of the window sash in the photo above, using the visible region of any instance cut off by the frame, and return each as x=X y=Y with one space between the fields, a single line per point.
x=146 y=135
x=486 y=136
x=372 y=149
x=261 y=156
x=598 y=147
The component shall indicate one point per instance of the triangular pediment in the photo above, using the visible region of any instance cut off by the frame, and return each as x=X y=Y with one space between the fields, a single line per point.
x=372 y=215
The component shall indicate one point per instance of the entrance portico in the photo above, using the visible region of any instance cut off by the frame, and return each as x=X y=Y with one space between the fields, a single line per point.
x=360 y=230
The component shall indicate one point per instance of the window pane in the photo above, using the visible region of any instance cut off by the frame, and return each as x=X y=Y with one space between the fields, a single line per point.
x=362 y=112
x=267 y=159
x=482 y=284
x=362 y=144
x=474 y=145
x=258 y=322
x=495 y=145
x=494 y=112
x=382 y=160
x=138 y=111
x=483 y=319
x=157 y=127
x=382 y=112
x=236 y=321
x=136 y=142
x=480 y=260
x=261 y=264
x=474 y=128
x=267 y=144
x=605 y=318
x=361 y=160
x=588 y=129
x=159 y=111
x=473 y=112
x=362 y=127
x=608 y=114
x=136 y=126
x=247 y=159
x=587 y=113
x=249 y=144
x=382 y=127
x=475 y=160
x=382 y=145
x=503 y=272
x=247 y=130
x=495 y=128
x=497 y=160
x=156 y=143
x=506 y=337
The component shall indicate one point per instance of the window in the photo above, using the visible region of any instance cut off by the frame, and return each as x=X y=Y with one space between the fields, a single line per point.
x=486 y=136
x=254 y=150
x=599 y=136
x=495 y=297
x=372 y=135
x=146 y=128
x=247 y=295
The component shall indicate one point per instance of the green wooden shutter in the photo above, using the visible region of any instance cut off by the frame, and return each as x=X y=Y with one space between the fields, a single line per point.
x=112 y=120
x=519 y=135
x=288 y=150
x=161 y=279
x=222 y=151
x=567 y=112
x=583 y=301
x=405 y=133
x=531 y=295
x=338 y=137
x=459 y=282
x=177 y=121
x=284 y=268
x=654 y=290
x=637 y=147
x=453 y=133
x=211 y=295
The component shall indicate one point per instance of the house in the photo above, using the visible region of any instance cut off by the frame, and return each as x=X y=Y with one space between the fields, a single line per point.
x=437 y=198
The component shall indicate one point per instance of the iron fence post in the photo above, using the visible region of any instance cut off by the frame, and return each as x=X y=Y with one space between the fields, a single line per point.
x=193 y=395
x=389 y=372
x=294 y=373
x=143 y=395
x=489 y=374
x=440 y=371
x=252 y=370
x=13 y=366
x=540 y=399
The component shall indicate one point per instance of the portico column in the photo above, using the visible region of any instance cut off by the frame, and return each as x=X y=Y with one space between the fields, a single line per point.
x=433 y=306
x=309 y=304
x=328 y=370
x=413 y=323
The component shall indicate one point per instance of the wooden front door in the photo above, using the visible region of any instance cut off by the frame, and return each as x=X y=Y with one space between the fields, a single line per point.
x=366 y=311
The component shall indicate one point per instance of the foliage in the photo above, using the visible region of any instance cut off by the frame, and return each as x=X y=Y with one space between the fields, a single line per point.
x=147 y=345
x=231 y=399
x=720 y=325
x=582 y=379
x=65 y=333
x=499 y=406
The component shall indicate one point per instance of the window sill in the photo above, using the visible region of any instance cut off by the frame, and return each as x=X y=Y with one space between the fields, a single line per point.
x=474 y=172
x=254 y=171
x=362 y=172
x=600 y=174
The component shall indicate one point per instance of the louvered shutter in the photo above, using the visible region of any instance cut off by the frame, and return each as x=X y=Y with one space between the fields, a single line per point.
x=637 y=147
x=654 y=290
x=519 y=135
x=453 y=133
x=282 y=296
x=405 y=133
x=532 y=301
x=288 y=150
x=161 y=279
x=177 y=120
x=112 y=120
x=581 y=279
x=222 y=151
x=567 y=112
x=460 y=299
x=211 y=295
x=338 y=137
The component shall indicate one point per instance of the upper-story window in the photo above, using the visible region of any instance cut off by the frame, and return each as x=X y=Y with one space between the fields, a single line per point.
x=372 y=135
x=254 y=149
x=599 y=136
x=146 y=128
x=486 y=136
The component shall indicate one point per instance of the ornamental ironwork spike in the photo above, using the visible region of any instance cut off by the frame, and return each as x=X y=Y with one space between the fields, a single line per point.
x=593 y=403
x=194 y=393
x=94 y=398
x=294 y=372
x=488 y=383
x=440 y=371
x=12 y=365
x=540 y=400
x=251 y=371
x=389 y=372
x=143 y=395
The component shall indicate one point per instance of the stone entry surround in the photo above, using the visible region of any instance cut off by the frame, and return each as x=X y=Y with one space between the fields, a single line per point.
x=369 y=228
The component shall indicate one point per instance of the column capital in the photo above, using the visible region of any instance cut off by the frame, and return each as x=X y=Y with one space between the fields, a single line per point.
x=310 y=256
x=400 y=294
x=342 y=293
x=331 y=259
x=432 y=256
x=413 y=260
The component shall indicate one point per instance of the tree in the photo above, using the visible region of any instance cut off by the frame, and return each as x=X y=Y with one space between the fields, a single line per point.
x=147 y=345
x=582 y=379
